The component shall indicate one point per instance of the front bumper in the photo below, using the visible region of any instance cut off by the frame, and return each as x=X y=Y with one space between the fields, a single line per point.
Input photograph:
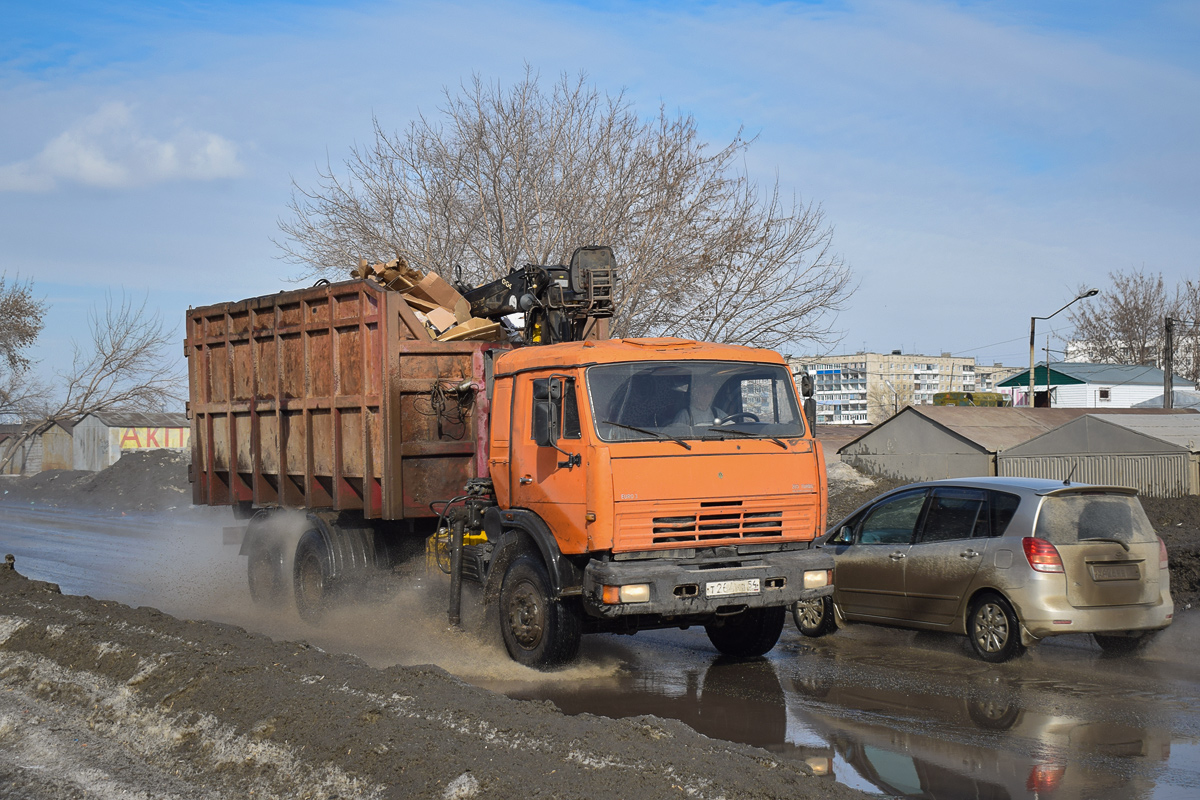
x=678 y=587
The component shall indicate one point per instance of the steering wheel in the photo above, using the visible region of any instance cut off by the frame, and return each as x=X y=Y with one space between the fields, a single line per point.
x=746 y=415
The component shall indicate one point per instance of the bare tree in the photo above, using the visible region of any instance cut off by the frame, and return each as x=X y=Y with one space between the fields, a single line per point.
x=21 y=316
x=501 y=178
x=125 y=365
x=1124 y=323
x=1187 y=334
x=888 y=398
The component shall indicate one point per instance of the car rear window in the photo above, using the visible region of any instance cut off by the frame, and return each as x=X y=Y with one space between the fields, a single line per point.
x=1073 y=518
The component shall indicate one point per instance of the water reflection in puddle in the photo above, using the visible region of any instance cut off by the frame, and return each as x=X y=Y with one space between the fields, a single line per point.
x=973 y=736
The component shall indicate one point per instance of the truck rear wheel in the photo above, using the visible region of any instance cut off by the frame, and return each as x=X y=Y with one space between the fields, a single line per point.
x=267 y=551
x=750 y=633
x=312 y=575
x=265 y=573
x=538 y=631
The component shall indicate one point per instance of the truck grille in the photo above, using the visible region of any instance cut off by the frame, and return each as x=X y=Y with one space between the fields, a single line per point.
x=712 y=522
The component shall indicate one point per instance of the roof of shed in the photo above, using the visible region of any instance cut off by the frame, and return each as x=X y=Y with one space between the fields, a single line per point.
x=138 y=419
x=1180 y=398
x=995 y=429
x=1178 y=429
x=1075 y=372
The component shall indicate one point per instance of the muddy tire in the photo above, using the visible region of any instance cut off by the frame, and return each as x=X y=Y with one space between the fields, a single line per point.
x=814 y=618
x=313 y=577
x=994 y=630
x=265 y=573
x=751 y=633
x=1121 y=645
x=538 y=631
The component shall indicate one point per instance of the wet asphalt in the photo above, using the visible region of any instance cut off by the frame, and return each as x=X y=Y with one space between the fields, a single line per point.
x=895 y=713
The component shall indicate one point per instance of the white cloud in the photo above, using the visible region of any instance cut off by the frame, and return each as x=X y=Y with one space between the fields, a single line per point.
x=109 y=149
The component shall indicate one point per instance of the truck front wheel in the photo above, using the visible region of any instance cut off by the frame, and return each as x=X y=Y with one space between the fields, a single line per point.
x=538 y=631
x=750 y=633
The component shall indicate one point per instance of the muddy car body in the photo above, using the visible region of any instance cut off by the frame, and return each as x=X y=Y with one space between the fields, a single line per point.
x=1004 y=561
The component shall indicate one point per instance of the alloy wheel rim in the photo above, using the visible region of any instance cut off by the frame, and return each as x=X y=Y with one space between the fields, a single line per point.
x=991 y=628
x=811 y=612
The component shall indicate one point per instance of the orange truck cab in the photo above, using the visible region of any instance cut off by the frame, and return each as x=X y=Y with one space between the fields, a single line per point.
x=648 y=483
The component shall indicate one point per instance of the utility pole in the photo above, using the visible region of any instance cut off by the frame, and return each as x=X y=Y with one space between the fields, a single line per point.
x=1169 y=364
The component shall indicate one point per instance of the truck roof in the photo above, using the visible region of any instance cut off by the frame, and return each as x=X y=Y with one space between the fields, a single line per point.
x=607 y=351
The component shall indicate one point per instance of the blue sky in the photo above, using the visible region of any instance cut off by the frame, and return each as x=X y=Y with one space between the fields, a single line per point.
x=978 y=160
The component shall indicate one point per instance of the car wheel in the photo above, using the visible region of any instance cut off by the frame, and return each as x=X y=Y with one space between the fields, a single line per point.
x=1123 y=645
x=538 y=631
x=994 y=630
x=993 y=715
x=814 y=618
x=750 y=633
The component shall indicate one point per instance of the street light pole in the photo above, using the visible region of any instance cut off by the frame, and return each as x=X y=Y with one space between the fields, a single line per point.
x=1032 y=333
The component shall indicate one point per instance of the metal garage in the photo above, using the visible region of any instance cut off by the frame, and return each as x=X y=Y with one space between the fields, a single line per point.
x=1159 y=455
x=103 y=437
x=932 y=442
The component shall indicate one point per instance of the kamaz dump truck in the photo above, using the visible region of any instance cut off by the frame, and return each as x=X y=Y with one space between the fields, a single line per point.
x=589 y=485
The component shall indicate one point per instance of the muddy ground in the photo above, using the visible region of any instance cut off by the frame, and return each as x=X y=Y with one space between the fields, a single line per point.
x=99 y=700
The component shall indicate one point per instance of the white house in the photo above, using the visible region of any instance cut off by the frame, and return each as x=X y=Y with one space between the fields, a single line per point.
x=1070 y=384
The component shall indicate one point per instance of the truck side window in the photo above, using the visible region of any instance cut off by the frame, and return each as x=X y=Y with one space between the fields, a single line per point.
x=570 y=411
x=568 y=406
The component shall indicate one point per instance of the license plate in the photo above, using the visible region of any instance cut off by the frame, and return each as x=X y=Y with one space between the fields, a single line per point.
x=726 y=588
x=1115 y=572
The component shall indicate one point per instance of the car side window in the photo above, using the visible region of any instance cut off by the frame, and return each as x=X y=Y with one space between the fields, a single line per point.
x=954 y=514
x=1004 y=506
x=893 y=521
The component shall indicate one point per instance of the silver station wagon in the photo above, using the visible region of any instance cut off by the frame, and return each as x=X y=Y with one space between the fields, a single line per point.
x=1005 y=561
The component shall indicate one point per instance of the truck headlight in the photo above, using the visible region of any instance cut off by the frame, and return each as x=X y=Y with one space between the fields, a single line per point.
x=815 y=579
x=633 y=593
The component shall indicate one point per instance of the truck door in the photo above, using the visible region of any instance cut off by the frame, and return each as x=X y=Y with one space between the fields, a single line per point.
x=548 y=478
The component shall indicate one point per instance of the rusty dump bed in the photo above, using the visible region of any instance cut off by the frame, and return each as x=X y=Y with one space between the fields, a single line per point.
x=325 y=398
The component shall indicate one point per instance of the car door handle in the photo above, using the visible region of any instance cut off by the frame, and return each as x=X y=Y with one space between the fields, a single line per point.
x=968 y=554
x=896 y=556
x=526 y=480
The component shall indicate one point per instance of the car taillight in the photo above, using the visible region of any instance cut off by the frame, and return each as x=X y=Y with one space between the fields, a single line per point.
x=1162 y=554
x=1045 y=778
x=1042 y=555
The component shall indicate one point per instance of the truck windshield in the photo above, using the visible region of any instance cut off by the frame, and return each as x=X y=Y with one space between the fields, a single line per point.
x=692 y=400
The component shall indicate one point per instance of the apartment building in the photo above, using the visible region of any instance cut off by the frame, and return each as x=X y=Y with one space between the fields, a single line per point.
x=867 y=388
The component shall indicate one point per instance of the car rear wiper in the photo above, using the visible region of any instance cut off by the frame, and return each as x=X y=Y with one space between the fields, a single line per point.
x=748 y=433
x=658 y=434
x=1107 y=539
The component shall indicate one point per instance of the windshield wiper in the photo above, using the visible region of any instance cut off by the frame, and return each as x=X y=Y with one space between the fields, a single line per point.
x=658 y=434
x=748 y=433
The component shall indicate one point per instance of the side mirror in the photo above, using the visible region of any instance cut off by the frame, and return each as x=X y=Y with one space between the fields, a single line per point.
x=845 y=535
